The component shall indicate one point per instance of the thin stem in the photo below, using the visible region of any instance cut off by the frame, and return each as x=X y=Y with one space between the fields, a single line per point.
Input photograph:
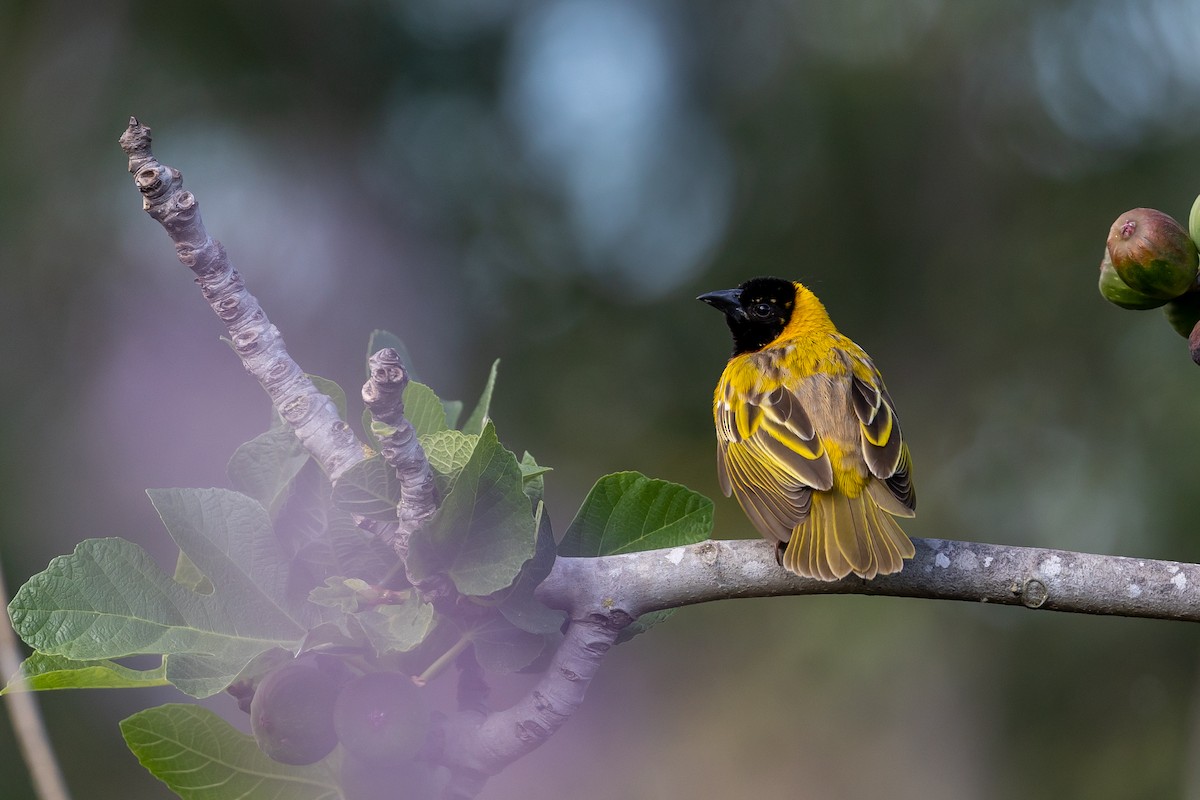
x=26 y=718
x=443 y=661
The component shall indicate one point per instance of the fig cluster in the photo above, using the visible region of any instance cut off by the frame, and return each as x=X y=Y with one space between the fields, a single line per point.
x=303 y=709
x=1151 y=261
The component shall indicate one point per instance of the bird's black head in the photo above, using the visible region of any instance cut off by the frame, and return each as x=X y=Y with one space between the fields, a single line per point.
x=757 y=311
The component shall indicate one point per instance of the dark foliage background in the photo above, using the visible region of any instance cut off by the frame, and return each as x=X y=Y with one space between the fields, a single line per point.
x=552 y=183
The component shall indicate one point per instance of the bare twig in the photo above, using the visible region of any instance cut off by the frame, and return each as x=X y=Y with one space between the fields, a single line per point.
x=26 y=719
x=383 y=394
x=257 y=342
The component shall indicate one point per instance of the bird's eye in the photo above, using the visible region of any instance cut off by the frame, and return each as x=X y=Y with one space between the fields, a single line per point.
x=761 y=310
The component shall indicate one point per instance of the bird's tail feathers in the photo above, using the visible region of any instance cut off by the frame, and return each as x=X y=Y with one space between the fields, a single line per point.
x=846 y=534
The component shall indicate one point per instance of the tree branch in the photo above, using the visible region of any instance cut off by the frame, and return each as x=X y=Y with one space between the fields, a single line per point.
x=257 y=342
x=1053 y=580
x=603 y=595
x=383 y=395
x=476 y=746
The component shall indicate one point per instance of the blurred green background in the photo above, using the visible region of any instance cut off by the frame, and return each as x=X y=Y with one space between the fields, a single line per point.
x=552 y=183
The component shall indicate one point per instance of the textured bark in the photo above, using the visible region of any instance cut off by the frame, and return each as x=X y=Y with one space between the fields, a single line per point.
x=1052 y=580
x=257 y=342
x=477 y=745
x=383 y=394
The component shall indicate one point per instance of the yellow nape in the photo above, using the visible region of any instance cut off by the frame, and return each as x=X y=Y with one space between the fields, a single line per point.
x=809 y=318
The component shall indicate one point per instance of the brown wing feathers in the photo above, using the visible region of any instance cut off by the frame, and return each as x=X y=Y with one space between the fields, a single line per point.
x=770 y=455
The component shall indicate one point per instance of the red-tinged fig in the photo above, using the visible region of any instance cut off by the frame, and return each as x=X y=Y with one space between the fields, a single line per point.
x=1194 y=344
x=381 y=717
x=1115 y=290
x=1152 y=253
x=1183 y=313
x=292 y=713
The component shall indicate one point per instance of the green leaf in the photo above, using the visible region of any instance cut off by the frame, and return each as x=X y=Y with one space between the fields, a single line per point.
x=542 y=662
x=479 y=416
x=381 y=339
x=264 y=466
x=423 y=409
x=229 y=539
x=368 y=427
x=454 y=409
x=303 y=515
x=483 y=532
x=260 y=665
x=344 y=594
x=41 y=672
x=370 y=488
x=335 y=636
x=347 y=550
x=387 y=628
x=448 y=452
x=200 y=756
x=396 y=628
x=187 y=575
x=109 y=599
x=529 y=614
x=503 y=647
x=532 y=474
x=335 y=393
x=626 y=511
x=518 y=603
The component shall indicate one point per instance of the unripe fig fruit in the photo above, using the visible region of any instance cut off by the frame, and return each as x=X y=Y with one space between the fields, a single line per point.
x=381 y=717
x=1152 y=253
x=1194 y=221
x=397 y=780
x=1116 y=291
x=292 y=713
x=1183 y=313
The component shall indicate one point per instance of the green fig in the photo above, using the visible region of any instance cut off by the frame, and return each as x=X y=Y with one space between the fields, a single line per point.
x=381 y=717
x=1116 y=291
x=291 y=714
x=1183 y=313
x=1194 y=221
x=1152 y=253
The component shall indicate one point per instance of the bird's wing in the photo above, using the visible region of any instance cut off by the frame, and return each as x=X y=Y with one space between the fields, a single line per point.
x=883 y=445
x=769 y=454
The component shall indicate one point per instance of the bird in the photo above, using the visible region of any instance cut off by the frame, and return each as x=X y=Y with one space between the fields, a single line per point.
x=807 y=436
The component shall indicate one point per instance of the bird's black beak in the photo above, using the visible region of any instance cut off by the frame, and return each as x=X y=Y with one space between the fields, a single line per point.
x=728 y=301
